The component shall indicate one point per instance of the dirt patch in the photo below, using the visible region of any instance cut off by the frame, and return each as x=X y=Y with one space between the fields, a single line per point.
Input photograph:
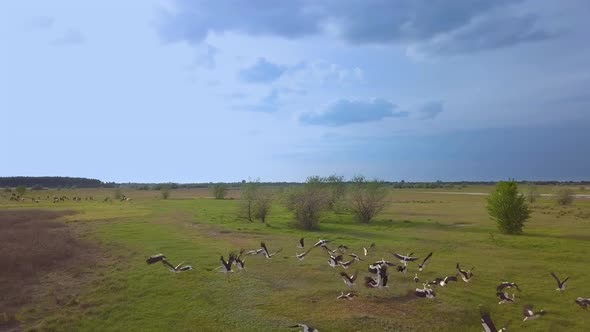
x=37 y=255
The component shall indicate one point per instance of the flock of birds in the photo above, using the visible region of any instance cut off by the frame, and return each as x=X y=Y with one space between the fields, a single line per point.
x=379 y=276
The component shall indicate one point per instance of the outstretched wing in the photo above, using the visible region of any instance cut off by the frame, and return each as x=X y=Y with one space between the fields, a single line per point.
x=556 y=278
x=426 y=259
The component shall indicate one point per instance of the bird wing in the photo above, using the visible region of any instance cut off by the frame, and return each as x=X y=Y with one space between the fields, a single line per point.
x=426 y=259
x=528 y=310
x=264 y=249
x=301 y=242
x=165 y=262
x=556 y=278
x=402 y=257
x=487 y=323
x=450 y=278
x=365 y=251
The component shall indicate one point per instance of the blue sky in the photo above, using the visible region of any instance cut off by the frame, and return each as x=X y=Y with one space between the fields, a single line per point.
x=193 y=91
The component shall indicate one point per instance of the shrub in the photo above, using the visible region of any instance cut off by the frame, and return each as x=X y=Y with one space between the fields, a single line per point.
x=262 y=204
x=308 y=202
x=532 y=194
x=247 y=198
x=20 y=190
x=165 y=192
x=508 y=208
x=117 y=194
x=564 y=196
x=367 y=198
x=219 y=190
x=337 y=189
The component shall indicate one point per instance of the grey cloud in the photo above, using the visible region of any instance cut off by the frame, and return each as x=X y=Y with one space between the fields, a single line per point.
x=262 y=71
x=344 y=112
x=430 y=110
x=359 y=22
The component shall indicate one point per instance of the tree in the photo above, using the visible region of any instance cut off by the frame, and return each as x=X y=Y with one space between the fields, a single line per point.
x=367 y=198
x=532 y=194
x=219 y=190
x=247 y=198
x=262 y=204
x=308 y=202
x=337 y=189
x=508 y=208
x=165 y=192
x=565 y=196
x=20 y=190
x=118 y=194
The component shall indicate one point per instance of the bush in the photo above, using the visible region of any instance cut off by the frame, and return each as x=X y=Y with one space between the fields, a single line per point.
x=532 y=194
x=248 y=193
x=337 y=189
x=118 y=194
x=564 y=196
x=367 y=198
x=262 y=204
x=219 y=190
x=165 y=192
x=308 y=202
x=20 y=190
x=508 y=208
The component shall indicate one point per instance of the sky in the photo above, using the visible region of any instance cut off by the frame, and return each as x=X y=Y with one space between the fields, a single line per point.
x=220 y=90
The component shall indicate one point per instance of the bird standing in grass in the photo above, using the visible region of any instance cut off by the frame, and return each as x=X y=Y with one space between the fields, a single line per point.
x=561 y=285
x=305 y=328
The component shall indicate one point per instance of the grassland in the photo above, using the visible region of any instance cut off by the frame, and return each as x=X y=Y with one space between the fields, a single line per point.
x=124 y=294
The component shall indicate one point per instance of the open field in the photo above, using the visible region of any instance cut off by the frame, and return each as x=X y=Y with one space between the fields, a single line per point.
x=113 y=289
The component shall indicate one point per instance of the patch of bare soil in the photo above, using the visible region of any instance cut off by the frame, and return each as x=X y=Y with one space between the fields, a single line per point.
x=40 y=257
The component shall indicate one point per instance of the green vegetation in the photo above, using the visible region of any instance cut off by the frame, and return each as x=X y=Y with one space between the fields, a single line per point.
x=117 y=194
x=219 y=190
x=165 y=192
x=508 y=208
x=125 y=294
x=20 y=190
x=367 y=198
x=564 y=196
x=308 y=202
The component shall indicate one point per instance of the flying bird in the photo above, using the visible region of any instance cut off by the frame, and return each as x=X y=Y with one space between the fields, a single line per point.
x=561 y=285
x=255 y=252
x=302 y=255
x=530 y=314
x=342 y=248
x=347 y=296
x=266 y=253
x=347 y=263
x=321 y=243
x=355 y=257
x=366 y=250
x=582 y=302
x=155 y=258
x=416 y=279
x=305 y=328
x=405 y=258
x=425 y=292
x=349 y=280
x=334 y=260
x=240 y=263
x=178 y=268
x=465 y=275
x=301 y=245
x=442 y=282
x=488 y=324
x=507 y=284
x=226 y=265
x=423 y=265
x=505 y=298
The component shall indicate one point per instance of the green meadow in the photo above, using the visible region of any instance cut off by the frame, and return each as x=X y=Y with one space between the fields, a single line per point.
x=120 y=292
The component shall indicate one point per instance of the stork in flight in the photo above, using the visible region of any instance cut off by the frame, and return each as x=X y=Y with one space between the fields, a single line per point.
x=561 y=285
x=266 y=253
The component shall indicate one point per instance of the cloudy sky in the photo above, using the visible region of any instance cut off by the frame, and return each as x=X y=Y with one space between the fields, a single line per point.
x=221 y=90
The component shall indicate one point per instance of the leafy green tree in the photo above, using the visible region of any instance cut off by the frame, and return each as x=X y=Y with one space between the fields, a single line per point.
x=262 y=204
x=367 y=198
x=219 y=190
x=308 y=202
x=248 y=192
x=508 y=208
x=337 y=189
x=165 y=192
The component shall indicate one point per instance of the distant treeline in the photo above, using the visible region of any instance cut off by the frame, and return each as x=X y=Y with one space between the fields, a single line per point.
x=39 y=182
x=69 y=182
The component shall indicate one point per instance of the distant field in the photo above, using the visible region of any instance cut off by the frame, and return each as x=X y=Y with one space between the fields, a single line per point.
x=109 y=287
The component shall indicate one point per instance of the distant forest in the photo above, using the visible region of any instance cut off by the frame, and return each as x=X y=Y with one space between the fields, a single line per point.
x=70 y=182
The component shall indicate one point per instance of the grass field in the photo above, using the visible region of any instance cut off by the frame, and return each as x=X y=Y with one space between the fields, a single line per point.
x=118 y=291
